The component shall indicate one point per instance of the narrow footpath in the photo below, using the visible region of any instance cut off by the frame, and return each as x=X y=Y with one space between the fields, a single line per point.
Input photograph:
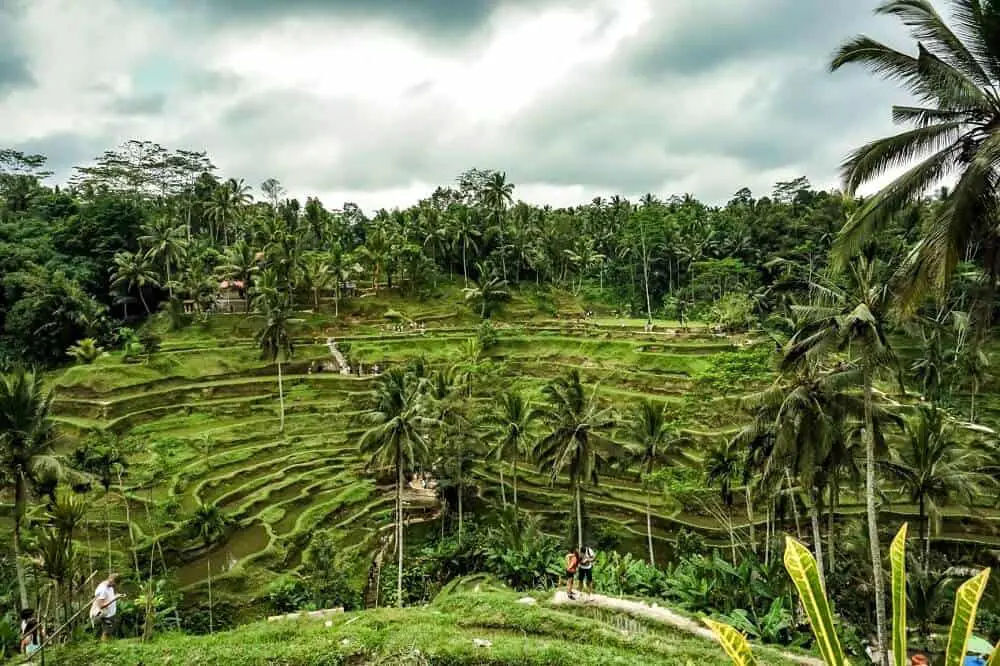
x=660 y=614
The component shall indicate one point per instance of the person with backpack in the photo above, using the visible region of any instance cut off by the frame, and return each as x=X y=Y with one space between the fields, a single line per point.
x=32 y=633
x=572 y=564
x=586 y=570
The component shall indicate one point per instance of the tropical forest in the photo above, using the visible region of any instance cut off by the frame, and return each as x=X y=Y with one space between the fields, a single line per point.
x=303 y=432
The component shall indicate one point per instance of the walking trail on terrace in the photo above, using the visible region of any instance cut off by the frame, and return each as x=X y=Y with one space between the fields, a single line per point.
x=640 y=609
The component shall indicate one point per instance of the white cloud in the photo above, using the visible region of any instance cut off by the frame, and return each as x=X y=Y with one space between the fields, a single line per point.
x=370 y=111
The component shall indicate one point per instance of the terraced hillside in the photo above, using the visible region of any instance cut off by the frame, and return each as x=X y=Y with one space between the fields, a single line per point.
x=202 y=417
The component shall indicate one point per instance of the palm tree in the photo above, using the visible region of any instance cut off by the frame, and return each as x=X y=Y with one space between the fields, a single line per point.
x=240 y=265
x=954 y=77
x=25 y=446
x=510 y=422
x=445 y=393
x=801 y=420
x=497 y=195
x=275 y=340
x=104 y=459
x=577 y=442
x=164 y=243
x=133 y=271
x=934 y=467
x=725 y=467
x=396 y=440
x=465 y=226
x=207 y=523
x=376 y=252
x=316 y=275
x=854 y=319
x=653 y=440
x=488 y=292
x=342 y=267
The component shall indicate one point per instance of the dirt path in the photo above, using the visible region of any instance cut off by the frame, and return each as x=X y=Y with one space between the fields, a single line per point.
x=663 y=615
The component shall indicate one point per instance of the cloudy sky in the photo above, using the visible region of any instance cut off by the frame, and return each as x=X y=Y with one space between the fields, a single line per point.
x=378 y=101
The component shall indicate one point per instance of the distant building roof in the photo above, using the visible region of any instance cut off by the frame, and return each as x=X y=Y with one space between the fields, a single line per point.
x=231 y=284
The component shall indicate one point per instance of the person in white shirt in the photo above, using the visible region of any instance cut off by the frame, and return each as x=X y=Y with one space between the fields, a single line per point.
x=105 y=605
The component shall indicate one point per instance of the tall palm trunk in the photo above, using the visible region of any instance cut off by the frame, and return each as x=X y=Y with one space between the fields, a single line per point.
x=817 y=539
x=753 y=528
x=795 y=504
x=399 y=526
x=144 y=303
x=107 y=522
x=649 y=528
x=579 y=517
x=465 y=266
x=645 y=276
x=880 y=619
x=20 y=496
x=503 y=489
x=925 y=525
x=513 y=465
x=831 y=526
x=972 y=406
x=281 y=401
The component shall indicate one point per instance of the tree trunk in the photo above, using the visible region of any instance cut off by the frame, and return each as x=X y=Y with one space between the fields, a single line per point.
x=645 y=276
x=399 y=527
x=925 y=525
x=336 y=300
x=579 y=517
x=753 y=528
x=20 y=493
x=831 y=527
x=144 y=303
x=465 y=266
x=170 y=287
x=795 y=505
x=281 y=401
x=972 y=406
x=514 y=466
x=107 y=522
x=879 y=585
x=503 y=489
x=817 y=541
x=649 y=530
x=211 y=619
x=461 y=491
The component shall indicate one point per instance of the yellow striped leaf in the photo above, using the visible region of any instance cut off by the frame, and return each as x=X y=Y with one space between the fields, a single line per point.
x=801 y=566
x=733 y=642
x=897 y=557
x=966 y=604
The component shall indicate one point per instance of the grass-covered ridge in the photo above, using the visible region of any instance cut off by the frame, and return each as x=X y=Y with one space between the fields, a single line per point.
x=202 y=414
x=443 y=633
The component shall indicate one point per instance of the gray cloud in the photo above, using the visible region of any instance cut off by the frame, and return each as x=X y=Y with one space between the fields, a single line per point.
x=14 y=70
x=710 y=96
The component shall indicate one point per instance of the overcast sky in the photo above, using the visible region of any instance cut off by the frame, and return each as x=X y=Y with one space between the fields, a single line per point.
x=378 y=101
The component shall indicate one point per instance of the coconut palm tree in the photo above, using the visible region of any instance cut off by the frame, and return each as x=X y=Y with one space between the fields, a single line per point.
x=274 y=338
x=577 y=441
x=396 y=440
x=25 y=447
x=465 y=227
x=104 y=459
x=207 y=523
x=725 y=467
x=164 y=243
x=316 y=275
x=489 y=293
x=653 y=440
x=510 y=422
x=455 y=432
x=934 y=468
x=853 y=318
x=133 y=271
x=952 y=130
x=497 y=195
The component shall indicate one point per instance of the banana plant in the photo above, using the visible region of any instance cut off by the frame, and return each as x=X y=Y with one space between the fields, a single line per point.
x=801 y=566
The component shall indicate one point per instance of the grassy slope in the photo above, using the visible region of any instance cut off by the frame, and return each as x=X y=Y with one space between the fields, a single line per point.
x=442 y=633
x=205 y=411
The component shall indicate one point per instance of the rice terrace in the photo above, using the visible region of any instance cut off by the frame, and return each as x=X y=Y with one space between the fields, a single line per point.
x=662 y=400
